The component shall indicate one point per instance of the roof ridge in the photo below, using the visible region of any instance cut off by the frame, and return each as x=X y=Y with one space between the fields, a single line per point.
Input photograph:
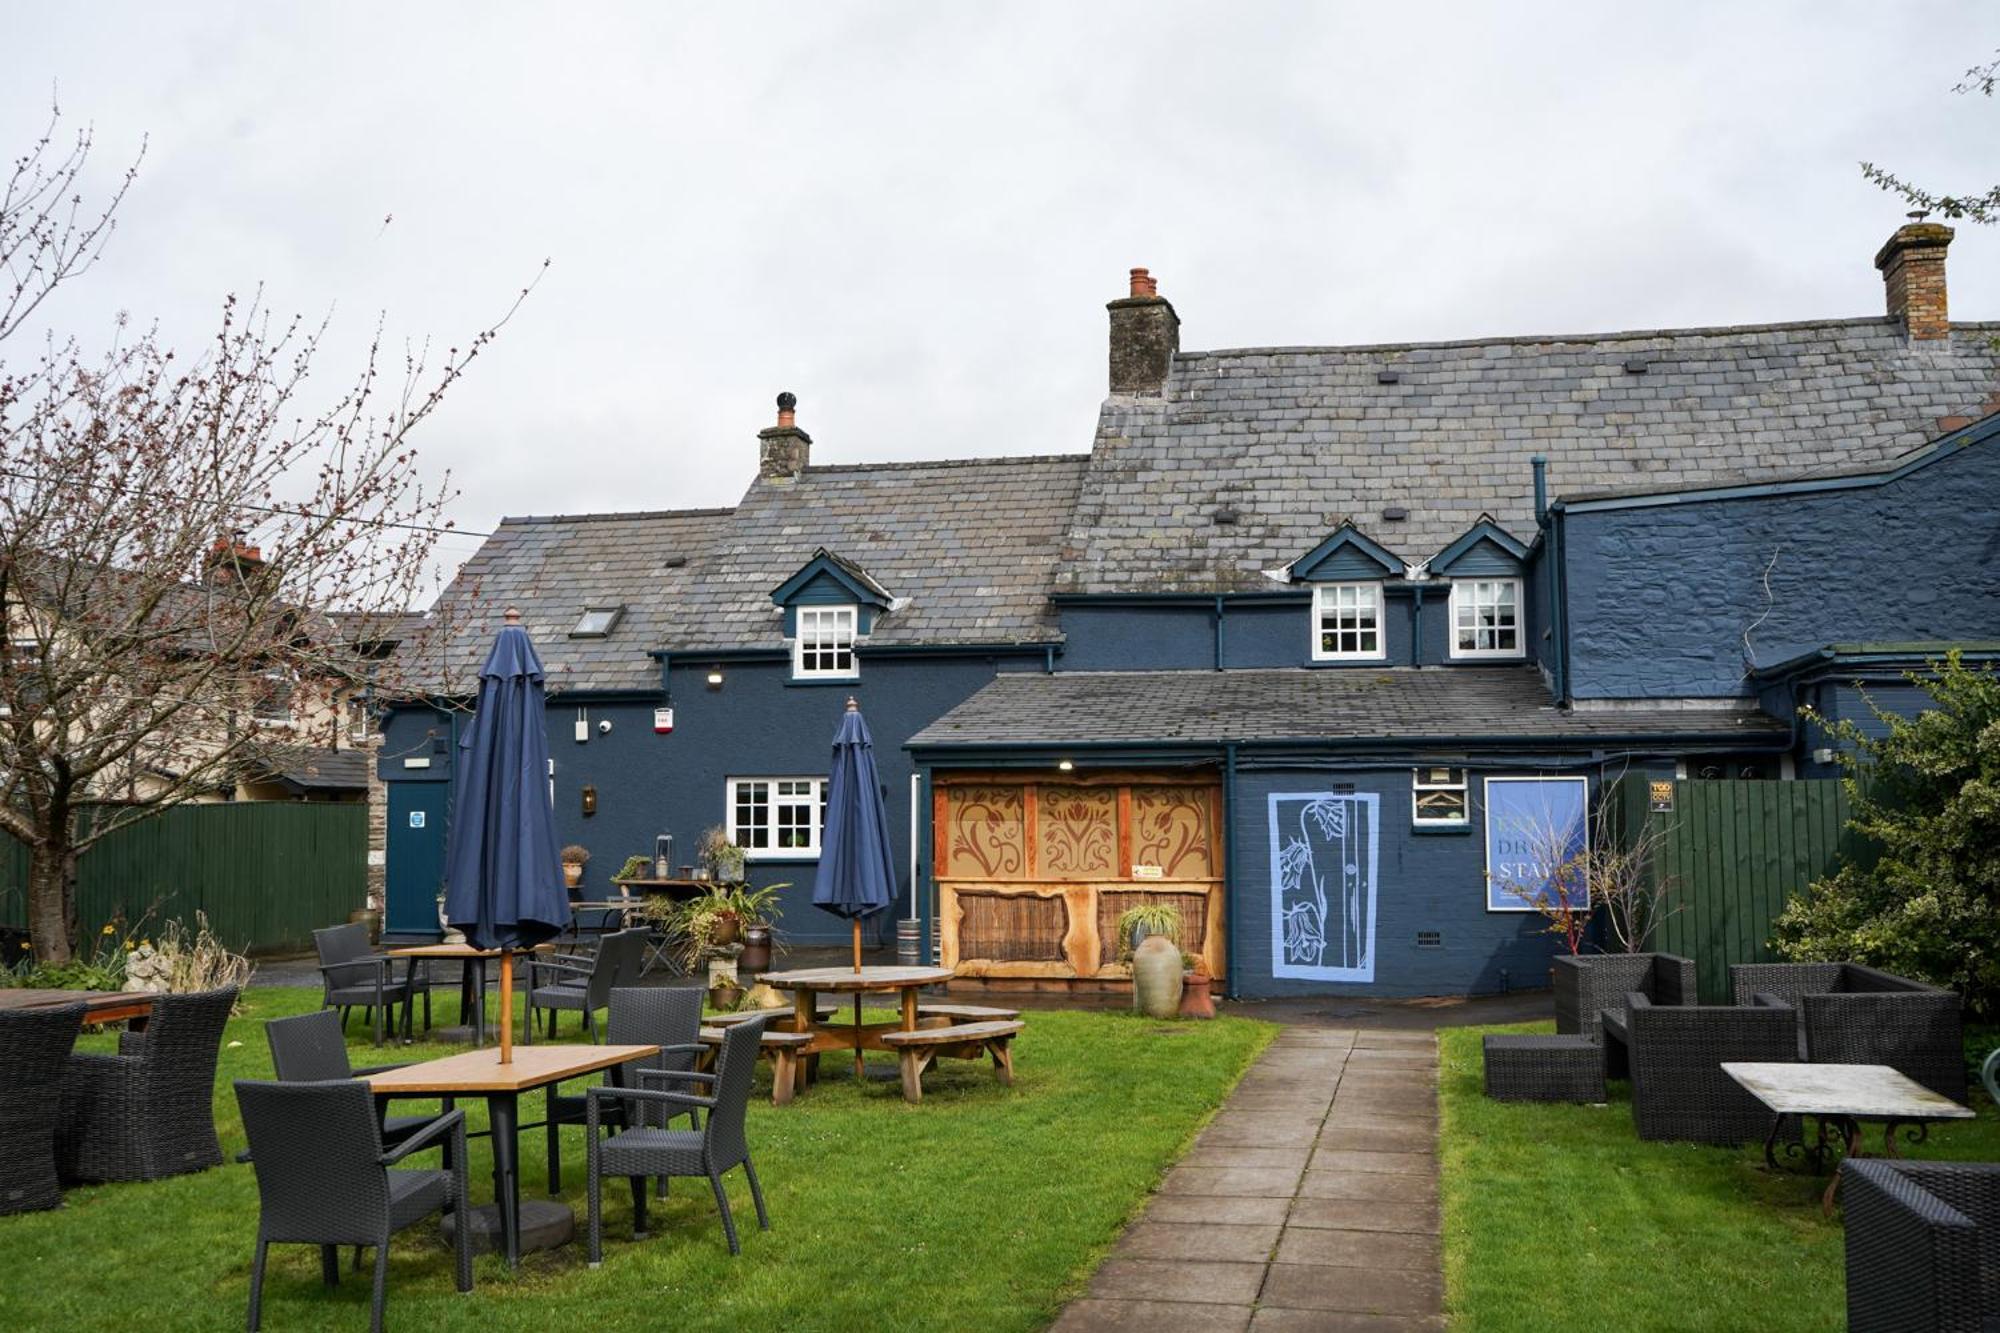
x=616 y=515
x=1537 y=340
x=907 y=464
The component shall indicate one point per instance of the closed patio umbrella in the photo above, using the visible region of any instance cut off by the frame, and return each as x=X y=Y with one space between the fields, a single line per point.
x=857 y=875
x=503 y=881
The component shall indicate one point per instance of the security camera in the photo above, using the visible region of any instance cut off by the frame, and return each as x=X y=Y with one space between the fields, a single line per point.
x=604 y=727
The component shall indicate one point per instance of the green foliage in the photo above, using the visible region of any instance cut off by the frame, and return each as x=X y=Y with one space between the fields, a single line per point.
x=101 y=968
x=1157 y=918
x=757 y=907
x=635 y=867
x=1978 y=205
x=1927 y=795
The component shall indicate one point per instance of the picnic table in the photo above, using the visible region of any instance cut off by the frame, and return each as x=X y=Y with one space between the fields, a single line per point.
x=1840 y=1098
x=915 y=1044
x=100 y=1006
x=480 y=1074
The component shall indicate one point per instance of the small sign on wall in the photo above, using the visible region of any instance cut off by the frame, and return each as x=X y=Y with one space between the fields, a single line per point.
x=1537 y=834
x=1660 y=797
x=1148 y=872
x=416 y=819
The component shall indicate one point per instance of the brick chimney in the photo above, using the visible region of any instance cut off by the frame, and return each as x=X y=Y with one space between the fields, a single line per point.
x=1145 y=334
x=233 y=558
x=783 y=450
x=1912 y=264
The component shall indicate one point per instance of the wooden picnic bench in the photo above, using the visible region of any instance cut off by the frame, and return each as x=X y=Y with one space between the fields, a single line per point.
x=964 y=1041
x=966 y=1013
x=780 y=1048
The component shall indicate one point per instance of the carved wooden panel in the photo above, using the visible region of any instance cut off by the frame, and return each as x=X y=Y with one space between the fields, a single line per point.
x=1172 y=828
x=1011 y=927
x=1076 y=833
x=1112 y=904
x=986 y=833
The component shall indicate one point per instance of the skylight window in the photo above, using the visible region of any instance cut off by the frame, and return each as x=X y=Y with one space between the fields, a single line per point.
x=597 y=622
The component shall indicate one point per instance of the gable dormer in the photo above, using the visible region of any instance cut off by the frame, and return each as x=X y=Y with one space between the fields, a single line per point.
x=1347 y=556
x=1346 y=573
x=1485 y=567
x=828 y=604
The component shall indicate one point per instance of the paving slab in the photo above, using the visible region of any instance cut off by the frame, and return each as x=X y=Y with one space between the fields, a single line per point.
x=1287 y=1159
x=1380 y=1136
x=1210 y=1211
x=1377 y=1185
x=1349 y=1159
x=1260 y=1132
x=1152 y=1239
x=1257 y=1182
x=1363 y=1215
x=1091 y=1315
x=1359 y=1249
x=1176 y=1280
x=1404 y=1291
x=1274 y=1320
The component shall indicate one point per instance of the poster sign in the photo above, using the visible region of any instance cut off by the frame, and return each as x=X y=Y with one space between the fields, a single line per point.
x=1536 y=829
x=1323 y=862
x=1660 y=797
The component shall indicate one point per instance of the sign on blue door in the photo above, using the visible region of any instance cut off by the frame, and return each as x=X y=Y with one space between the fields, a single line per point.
x=1323 y=885
x=1537 y=835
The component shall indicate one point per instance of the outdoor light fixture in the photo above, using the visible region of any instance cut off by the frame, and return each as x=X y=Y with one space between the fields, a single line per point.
x=589 y=799
x=1064 y=766
x=715 y=678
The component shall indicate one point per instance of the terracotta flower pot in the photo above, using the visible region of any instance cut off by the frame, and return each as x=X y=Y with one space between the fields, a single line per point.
x=725 y=998
x=572 y=874
x=1197 y=997
x=728 y=930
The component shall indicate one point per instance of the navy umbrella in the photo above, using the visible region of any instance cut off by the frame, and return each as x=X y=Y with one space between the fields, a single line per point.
x=503 y=879
x=857 y=874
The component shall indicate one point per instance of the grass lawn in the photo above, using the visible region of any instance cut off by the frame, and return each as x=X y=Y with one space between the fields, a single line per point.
x=985 y=1207
x=1558 y=1217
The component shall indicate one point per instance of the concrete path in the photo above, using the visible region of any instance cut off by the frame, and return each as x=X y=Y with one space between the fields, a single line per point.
x=1309 y=1203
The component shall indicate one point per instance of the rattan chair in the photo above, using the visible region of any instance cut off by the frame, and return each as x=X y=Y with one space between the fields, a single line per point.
x=667 y=1017
x=1679 y=1091
x=35 y=1047
x=148 y=1111
x=711 y=1151
x=1854 y=1015
x=1588 y=984
x=356 y=977
x=309 y=1048
x=323 y=1179
x=583 y=986
x=1921 y=1252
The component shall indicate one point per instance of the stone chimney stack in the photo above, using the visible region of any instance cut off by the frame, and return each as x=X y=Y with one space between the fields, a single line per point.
x=1912 y=264
x=1145 y=334
x=783 y=450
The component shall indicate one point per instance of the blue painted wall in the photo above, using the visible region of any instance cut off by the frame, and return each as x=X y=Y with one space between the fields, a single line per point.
x=1659 y=598
x=1426 y=881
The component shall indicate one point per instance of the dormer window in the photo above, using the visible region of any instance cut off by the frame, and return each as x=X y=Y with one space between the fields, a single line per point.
x=597 y=622
x=823 y=648
x=1485 y=618
x=1347 y=622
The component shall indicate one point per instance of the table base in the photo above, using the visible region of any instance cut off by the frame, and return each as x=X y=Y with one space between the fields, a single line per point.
x=545 y=1224
x=1839 y=1136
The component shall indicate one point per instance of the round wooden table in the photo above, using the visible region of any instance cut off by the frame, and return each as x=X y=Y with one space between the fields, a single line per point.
x=807 y=983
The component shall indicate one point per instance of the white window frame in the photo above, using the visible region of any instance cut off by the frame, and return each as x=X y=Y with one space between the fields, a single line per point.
x=1420 y=782
x=816 y=617
x=1465 y=595
x=290 y=690
x=812 y=799
x=359 y=728
x=1369 y=597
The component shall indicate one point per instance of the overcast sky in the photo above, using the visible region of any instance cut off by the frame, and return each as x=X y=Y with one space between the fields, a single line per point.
x=911 y=215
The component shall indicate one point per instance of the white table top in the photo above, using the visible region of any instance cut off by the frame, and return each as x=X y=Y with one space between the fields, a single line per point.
x=1867 y=1092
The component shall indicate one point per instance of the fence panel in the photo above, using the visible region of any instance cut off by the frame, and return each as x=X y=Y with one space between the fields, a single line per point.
x=1732 y=852
x=266 y=873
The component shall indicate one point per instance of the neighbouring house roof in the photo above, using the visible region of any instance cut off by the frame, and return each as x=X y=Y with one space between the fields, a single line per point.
x=1297 y=440
x=1390 y=705
x=1913 y=655
x=311 y=768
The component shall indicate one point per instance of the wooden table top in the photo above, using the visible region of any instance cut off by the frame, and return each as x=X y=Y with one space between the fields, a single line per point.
x=100 y=1005
x=481 y=1070
x=457 y=951
x=847 y=979
x=1867 y=1092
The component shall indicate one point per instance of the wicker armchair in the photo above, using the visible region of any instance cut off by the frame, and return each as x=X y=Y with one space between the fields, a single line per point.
x=1853 y=1015
x=667 y=1017
x=710 y=1151
x=1921 y=1251
x=584 y=985
x=1587 y=984
x=323 y=1179
x=308 y=1048
x=148 y=1111
x=355 y=976
x=34 y=1049
x=1679 y=1091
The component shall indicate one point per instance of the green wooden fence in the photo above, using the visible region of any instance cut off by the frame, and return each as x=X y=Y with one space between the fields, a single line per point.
x=1732 y=853
x=267 y=873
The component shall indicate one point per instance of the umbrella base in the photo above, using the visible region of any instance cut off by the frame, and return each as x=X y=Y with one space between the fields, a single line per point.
x=545 y=1224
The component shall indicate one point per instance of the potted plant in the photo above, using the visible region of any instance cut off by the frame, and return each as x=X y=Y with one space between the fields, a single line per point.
x=722 y=858
x=758 y=910
x=1156 y=957
x=635 y=867
x=1136 y=923
x=1197 y=993
x=574 y=858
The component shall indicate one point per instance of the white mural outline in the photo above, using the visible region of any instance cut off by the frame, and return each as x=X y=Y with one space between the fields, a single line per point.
x=1323 y=884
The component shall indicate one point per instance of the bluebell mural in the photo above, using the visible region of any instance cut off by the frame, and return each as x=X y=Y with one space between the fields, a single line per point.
x=1323 y=864
x=1537 y=830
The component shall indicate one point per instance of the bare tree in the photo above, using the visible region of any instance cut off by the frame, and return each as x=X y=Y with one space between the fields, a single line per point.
x=1978 y=205
x=173 y=533
x=1568 y=880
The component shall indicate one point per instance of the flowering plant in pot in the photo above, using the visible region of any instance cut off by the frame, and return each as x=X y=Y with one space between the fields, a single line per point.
x=574 y=858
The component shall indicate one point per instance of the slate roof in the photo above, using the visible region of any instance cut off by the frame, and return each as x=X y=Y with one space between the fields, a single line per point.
x=1299 y=439
x=1393 y=705
x=312 y=767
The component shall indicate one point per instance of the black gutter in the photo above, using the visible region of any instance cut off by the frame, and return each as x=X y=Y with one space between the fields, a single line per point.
x=1739 y=740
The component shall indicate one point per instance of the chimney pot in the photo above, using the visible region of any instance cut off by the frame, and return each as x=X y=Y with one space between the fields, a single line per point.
x=1143 y=283
x=1912 y=264
x=783 y=450
x=1145 y=334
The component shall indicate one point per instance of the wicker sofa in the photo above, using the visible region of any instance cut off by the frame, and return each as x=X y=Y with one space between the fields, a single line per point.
x=1853 y=1015
x=1588 y=984
x=1679 y=1091
x=1921 y=1245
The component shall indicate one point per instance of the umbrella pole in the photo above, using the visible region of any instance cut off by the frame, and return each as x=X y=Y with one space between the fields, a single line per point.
x=857 y=944
x=506 y=1006
x=858 y=1070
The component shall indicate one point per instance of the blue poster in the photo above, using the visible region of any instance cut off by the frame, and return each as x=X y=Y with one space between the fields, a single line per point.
x=1537 y=832
x=1323 y=885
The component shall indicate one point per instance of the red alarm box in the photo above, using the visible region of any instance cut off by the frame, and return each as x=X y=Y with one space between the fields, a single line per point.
x=663 y=721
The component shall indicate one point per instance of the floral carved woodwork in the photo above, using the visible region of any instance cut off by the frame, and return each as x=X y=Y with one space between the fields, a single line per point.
x=1170 y=829
x=987 y=837
x=1077 y=833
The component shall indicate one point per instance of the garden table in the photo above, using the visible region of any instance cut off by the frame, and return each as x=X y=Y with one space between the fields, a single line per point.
x=100 y=1006
x=480 y=1074
x=1840 y=1098
x=471 y=978
x=807 y=983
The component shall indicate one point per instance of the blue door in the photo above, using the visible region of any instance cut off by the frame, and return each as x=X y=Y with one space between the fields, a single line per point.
x=415 y=856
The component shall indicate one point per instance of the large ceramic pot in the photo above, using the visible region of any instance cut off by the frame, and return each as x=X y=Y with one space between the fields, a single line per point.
x=1156 y=977
x=756 y=955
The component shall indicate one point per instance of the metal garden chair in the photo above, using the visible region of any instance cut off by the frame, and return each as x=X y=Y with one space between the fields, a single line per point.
x=583 y=986
x=669 y=1018
x=355 y=976
x=309 y=1048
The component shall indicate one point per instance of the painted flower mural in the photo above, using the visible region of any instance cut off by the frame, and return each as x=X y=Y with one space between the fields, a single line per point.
x=1323 y=885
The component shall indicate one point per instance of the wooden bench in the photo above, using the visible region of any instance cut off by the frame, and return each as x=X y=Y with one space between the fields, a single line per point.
x=967 y=1013
x=781 y=1048
x=963 y=1041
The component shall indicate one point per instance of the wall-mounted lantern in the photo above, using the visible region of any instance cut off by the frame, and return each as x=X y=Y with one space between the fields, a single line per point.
x=589 y=799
